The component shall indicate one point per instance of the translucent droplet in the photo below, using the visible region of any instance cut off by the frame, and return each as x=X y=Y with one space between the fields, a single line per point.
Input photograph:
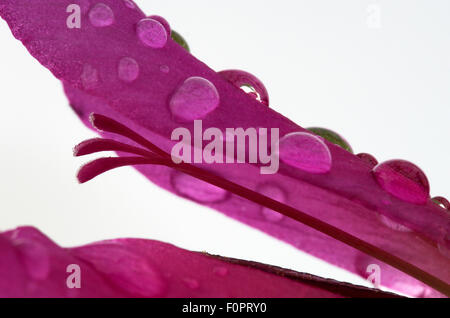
x=196 y=189
x=130 y=4
x=332 y=137
x=128 y=69
x=306 y=152
x=403 y=180
x=164 y=69
x=441 y=201
x=101 y=15
x=220 y=271
x=35 y=258
x=191 y=283
x=368 y=158
x=162 y=21
x=245 y=80
x=276 y=193
x=194 y=99
x=393 y=225
x=152 y=33
x=89 y=77
x=180 y=40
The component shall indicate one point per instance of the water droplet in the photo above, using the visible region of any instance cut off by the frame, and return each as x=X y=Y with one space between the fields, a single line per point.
x=89 y=77
x=130 y=4
x=35 y=258
x=220 y=271
x=441 y=201
x=162 y=21
x=128 y=69
x=194 y=99
x=306 y=152
x=191 y=283
x=151 y=33
x=332 y=137
x=196 y=189
x=368 y=158
x=164 y=69
x=124 y=268
x=276 y=193
x=393 y=225
x=403 y=180
x=180 y=40
x=248 y=82
x=101 y=15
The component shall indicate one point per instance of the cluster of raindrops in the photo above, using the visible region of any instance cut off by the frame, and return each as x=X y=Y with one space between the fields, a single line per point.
x=152 y=32
x=308 y=151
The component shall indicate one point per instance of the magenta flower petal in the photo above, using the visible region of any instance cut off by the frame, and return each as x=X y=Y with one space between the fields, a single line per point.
x=31 y=265
x=347 y=197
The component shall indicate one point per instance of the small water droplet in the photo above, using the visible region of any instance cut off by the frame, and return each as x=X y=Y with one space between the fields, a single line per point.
x=191 y=283
x=368 y=158
x=194 y=99
x=128 y=69
x=89 y=77
x=247 y=82
x=152 y=33
x=101 y=15
x=403 y=180
x=393 y=225
x=332 y=137
x=180 y=40
x=196 y=189
x=442 y=202
x=164 y=69
x=220 y=271
x=35 y=258
x=306 y=152
x=130 y=4
x=276 y=193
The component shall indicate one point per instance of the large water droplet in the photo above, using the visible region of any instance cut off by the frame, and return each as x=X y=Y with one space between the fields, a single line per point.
x=191 y=283
x=403 y=180
x=368 y=158
x=180 y=40
x=101 y=15
x=152 y=33
x=128 y=69
x=196 y=189
x=276 y=193
x=194 y=99
x=163 y=21
x=243 y=80
x=441 y=201
x=306 y=152
x=220 y=271
x=35 y=258
x=332 y=137
x=89 y=77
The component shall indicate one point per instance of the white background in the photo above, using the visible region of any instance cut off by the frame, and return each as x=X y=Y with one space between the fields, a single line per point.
x=325 y=63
